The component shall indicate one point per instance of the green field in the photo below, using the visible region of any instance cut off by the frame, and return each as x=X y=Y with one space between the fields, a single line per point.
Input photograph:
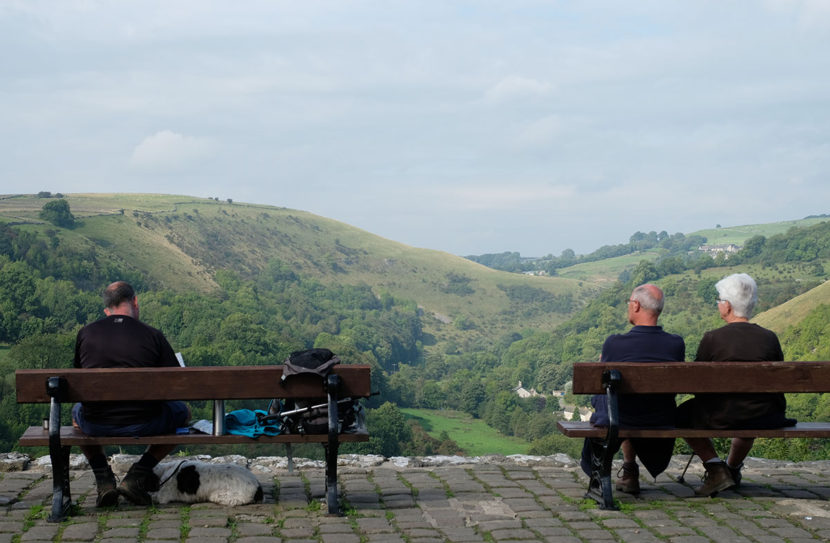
x=739 y=234
x=606 y=271
x=473 y=435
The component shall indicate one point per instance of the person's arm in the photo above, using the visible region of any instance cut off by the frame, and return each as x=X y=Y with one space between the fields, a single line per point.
x=704 y=349
x=167 y=357
x=77 y=362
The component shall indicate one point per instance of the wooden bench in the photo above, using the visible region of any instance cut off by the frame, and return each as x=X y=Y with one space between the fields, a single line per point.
x=59 y=386
x=620 y=378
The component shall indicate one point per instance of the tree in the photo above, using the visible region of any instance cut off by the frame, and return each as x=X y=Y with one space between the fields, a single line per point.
x=57 y=212
x=388 y=430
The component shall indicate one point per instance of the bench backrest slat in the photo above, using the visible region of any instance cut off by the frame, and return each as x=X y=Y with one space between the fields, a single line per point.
x=703 y=377
x=201 y=383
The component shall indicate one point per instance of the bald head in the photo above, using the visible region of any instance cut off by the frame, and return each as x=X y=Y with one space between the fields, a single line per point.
x=120 y=299
x=645 y=305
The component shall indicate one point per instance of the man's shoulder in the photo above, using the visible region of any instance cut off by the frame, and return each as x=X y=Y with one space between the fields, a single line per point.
x=119 y=321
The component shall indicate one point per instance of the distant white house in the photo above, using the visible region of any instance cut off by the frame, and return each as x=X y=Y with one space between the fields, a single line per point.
x=729 y=248
x=525 y=393
x=584 y=413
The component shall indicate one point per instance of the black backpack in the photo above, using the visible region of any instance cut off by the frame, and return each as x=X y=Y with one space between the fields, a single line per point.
x=315 y=361
x=308 y=415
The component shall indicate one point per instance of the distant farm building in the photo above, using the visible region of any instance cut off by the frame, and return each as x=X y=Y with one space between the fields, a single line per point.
x=713 y=250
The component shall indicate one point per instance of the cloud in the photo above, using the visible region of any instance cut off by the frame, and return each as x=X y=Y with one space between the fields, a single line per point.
x=515 y=87
x=504 y=198
x=541 y=132
x=168 y=150
x=809 y=13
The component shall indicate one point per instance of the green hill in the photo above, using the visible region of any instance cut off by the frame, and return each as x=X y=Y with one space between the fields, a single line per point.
x=180 y=242
x=793 y=311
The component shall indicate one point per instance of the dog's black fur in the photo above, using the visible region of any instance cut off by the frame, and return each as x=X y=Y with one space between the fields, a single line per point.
x=187 y=481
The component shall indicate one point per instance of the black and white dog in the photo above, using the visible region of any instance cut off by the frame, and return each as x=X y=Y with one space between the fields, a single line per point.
x=191 y=481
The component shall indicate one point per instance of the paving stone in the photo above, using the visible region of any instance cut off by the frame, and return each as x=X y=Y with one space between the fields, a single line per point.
x=340 y=538
x=41 y=533
x=85 y=531
x=163 y=533
x=124 y=532
x=250 y=529
x=505 y=535
x=374 y=525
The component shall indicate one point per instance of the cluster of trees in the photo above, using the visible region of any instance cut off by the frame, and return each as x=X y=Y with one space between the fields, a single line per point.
x=57 y=212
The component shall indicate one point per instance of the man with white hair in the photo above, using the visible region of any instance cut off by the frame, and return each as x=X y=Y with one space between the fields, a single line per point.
x=739 y=341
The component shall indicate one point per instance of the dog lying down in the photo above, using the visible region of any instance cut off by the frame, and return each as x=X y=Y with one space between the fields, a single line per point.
x=193 y=482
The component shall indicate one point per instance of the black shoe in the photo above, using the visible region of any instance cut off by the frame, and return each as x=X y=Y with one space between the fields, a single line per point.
x=736 y=474
x=107 y=490
x=137 y=485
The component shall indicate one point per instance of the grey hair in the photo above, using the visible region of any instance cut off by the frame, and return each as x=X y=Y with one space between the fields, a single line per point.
x=648 y=301
x=741 y=291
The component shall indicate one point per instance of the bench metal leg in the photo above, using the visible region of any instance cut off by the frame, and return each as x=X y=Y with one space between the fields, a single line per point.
x=603 y=450
x=61 y=496
x=599 y=487
x=332 y=499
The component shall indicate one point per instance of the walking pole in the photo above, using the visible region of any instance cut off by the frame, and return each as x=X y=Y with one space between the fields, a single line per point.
x=682 y=475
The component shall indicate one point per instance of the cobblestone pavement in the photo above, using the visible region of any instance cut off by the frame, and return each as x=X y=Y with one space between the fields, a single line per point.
x=497 y=500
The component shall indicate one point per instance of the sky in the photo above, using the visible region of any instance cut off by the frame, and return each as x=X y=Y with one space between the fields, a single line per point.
x=469 y=127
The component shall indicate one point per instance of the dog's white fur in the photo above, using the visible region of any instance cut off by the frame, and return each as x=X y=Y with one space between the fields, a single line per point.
x=192 y=481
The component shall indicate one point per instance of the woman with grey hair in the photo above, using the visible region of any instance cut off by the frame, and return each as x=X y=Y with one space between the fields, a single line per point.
x=739 y=341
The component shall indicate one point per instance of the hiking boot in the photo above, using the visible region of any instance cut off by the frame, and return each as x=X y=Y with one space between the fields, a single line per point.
x=717 y=478
x=629 y=482
x=107 y=490
x=736 y=474
x=137 y=485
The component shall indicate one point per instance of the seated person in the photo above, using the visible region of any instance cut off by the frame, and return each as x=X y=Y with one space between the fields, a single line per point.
x=645 y=342
x=740 y=341
x=120 y=340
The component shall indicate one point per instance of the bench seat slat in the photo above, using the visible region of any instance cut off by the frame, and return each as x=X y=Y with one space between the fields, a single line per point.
x=36 y=436
x=201 y=383
x=802 y=429
x=705 y=377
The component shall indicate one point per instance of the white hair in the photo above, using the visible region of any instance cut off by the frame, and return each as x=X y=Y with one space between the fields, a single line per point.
x=740 y=290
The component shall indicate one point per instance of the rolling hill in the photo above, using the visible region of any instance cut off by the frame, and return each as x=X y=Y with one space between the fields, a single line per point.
x=180 y=242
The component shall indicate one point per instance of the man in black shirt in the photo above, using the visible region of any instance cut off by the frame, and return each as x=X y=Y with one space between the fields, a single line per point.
x=120 y=340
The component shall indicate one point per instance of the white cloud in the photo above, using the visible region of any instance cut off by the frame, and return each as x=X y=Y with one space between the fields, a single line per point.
x=515 y=87
x=168 y=150
x=514 y=197
x=540 y=132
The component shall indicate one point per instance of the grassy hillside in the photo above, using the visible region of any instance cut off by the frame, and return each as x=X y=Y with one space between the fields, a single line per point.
x=472 y=435
x=739 y=234
x=606 y=271
x=180 y=243
x=792 y=312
